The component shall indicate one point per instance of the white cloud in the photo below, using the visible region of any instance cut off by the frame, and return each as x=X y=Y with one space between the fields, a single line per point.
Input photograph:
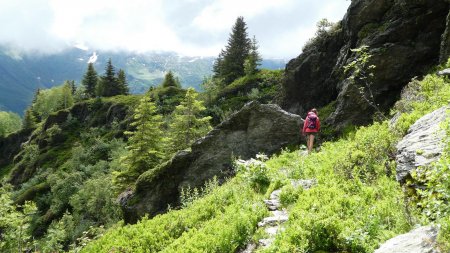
x=221 y=14
x=191 y=27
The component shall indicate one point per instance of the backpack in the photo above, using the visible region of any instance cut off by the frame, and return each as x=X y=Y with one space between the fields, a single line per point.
x=312 y=121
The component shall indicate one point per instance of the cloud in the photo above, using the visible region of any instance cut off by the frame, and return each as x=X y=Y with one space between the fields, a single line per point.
x=190 y=27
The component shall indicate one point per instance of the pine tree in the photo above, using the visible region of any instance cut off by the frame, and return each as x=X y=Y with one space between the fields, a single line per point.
x=73 y=87
x=90 y=81
x=29 y=120
x=145 y=144
x=35 y=98
x=170 y=81
x=109 y=85
x=187 y=125
x=218 y=63
x=253 y=60
x=231 y=66
x=122 y=81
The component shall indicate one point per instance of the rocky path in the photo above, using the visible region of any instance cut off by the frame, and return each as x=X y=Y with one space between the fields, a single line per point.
x=274 y=224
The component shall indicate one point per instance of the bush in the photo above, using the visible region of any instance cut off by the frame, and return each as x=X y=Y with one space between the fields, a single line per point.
x=355 y=205
x=255 y=172
x=218 y=222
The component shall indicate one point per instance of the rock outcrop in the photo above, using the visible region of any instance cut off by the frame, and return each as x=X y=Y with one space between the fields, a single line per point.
x=423 y=144
x=404 y=39
x=10 y=146
x=420 y=240
x=255 y=128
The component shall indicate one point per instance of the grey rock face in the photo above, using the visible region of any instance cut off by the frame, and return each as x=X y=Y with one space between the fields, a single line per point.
x=445 y=44
x=255 y=128
x=422 y=145
x=420 y=240
x=444 y=72
x=404 y=38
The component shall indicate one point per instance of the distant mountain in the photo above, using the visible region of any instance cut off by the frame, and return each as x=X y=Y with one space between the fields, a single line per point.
x=20 y=75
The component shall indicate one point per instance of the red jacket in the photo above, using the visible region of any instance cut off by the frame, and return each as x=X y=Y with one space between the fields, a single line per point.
x=306 y=123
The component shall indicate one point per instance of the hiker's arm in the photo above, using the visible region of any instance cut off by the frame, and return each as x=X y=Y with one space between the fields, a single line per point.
x=304 y=126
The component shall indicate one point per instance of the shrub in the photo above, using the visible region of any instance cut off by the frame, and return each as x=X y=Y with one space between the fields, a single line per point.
x=255 y=172
x=221 y=220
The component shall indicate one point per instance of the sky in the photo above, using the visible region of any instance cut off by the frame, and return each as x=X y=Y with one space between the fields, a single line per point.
x=188 y=27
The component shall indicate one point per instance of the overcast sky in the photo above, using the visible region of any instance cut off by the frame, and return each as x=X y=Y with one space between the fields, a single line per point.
x=189 y=27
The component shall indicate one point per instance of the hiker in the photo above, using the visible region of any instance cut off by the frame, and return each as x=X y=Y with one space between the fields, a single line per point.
x=311 y=127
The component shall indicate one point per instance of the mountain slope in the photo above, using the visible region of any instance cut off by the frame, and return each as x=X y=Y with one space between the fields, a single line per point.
x=20 y=75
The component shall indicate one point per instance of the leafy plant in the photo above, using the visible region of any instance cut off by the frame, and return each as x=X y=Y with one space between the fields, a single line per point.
x=361 y=75
x=254 y=171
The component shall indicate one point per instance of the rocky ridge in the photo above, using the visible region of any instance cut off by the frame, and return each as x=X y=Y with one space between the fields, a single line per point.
x=405 y=38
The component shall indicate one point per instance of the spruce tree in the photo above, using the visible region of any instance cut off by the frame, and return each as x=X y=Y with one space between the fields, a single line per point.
x=90 y=80
x=109 y=85
x=187 y=125
x=253 y=60
x=32 y=107
x=231 y=66
x=122 y=82
x=145 y=144
x=170 y=81
x=29 y=120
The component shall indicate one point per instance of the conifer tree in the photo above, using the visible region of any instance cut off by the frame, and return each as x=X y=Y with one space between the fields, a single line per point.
x=90 y=81
x=217 y=66
x=109 y=85
x=231 y=65
x=145 y=144
x=170 y=81
x=253 y=60
x=29 y=120
x=187 y=125
x=122 y=82
x=34 y=112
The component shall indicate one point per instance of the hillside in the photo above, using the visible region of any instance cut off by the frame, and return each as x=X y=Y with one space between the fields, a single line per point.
x=354 y=205
x=225 y=169
x=20 y=75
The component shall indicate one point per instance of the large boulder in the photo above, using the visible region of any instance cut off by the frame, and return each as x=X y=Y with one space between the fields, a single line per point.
x=420 y=240
x=423 y=144
x=404 y=39
x=255 y=128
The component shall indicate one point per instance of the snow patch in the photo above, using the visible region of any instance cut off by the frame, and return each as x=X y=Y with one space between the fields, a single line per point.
x=93 y=58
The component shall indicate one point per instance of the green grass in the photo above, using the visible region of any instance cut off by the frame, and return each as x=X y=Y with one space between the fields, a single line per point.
x=356 y=204
x=221 y=220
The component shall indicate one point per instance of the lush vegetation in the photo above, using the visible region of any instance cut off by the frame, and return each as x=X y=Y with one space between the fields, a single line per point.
x=264 y=86
x=9 y=123
x=89 y=144
x=219 y=222
x=355 y=206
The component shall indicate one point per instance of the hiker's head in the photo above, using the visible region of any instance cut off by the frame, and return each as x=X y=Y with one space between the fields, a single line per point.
x=314 y=110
